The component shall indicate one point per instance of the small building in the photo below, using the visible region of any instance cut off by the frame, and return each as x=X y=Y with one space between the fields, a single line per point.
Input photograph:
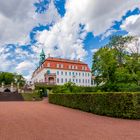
x=57 y=71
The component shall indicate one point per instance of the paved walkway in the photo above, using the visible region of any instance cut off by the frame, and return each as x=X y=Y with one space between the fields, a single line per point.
x=44 y=121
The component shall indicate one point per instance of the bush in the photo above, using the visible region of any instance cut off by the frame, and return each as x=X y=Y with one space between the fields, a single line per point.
x=120 y=87
x=31 y=96
x=123 y=105
x=72 y=88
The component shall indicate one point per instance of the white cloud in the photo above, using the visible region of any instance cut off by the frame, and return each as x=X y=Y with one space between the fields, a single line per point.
x=132 y=25
x=64 y=39
x=97 y=17
x=17 y=59
x=17 y=19
x=24 y=66
x=94 y=50
x=134 y=46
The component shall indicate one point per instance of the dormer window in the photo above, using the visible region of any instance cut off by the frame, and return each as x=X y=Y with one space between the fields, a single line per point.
x=48 y=64
x=69 y=66
x=61 y=65
x=57 y=65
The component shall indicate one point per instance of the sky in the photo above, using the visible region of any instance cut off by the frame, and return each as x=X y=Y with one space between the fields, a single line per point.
x=70 y=29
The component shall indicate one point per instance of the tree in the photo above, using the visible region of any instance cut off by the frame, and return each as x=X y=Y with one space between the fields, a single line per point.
x=104 y=65
x=6 y=77
x=116 y=66
x=9 y=78
x=120 y=43
x=19 y=79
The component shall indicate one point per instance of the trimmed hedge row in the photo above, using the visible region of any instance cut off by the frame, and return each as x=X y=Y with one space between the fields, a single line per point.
x=122 y=105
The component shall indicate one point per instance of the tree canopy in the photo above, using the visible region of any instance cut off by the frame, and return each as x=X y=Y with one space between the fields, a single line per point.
x=8 y=78
x=116 y=67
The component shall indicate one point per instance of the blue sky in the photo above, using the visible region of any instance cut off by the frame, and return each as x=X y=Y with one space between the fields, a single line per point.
x=63 y=28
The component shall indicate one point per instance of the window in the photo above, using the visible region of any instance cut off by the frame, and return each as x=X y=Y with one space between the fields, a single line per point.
x=65 y=73
x=62 y=80
x=72 y=73
x=76 y=80
x=70 y=80
x=79 y=80
x=57 y=80
x=79 y=73
x=48 y=65
x=86 y=80
x=73 y=80
x=72 y=67
x=48 y=72
x=75 y=67
x=57 y=72
x=57 y=65
x=61 y=72
x=83 y=74
x=69 y=66
x=69 y=73
x=83 y=81
x=61 y=65
x=66 y=80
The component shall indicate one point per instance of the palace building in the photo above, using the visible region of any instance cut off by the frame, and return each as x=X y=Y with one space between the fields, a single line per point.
x=58 y=71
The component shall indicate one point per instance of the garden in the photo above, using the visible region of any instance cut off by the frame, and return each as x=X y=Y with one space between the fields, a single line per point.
x=116 y=68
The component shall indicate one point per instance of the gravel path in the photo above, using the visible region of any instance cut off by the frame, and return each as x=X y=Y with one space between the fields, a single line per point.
x=44 y=121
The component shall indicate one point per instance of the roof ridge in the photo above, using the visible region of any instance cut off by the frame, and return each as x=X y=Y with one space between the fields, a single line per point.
x=65 y=59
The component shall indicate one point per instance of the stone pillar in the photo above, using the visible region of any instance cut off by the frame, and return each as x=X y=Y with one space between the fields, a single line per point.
x=12 y=87
x=2 y=87
x=18 y=88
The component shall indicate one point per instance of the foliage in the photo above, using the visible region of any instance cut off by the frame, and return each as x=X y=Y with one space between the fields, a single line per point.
x=123 y=105
x=43 y=92
x=115 y=65
x=31 y=96
x=9 y=78
x=72 y=88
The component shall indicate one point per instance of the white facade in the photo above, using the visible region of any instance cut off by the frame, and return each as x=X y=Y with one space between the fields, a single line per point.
x=80 y=78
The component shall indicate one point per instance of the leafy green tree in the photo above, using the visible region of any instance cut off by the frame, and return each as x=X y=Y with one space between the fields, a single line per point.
x=116 y=66
x=19 y=79
x=8 y=78
x=104 y=65
x=69 y=86
x=120 y=43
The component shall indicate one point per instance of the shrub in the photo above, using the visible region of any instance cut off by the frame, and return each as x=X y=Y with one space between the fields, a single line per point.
x=123 y=105
x=31 y=96
x=72 y=88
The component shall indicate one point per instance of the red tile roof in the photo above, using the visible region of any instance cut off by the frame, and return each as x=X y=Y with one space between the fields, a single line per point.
x=64 y=64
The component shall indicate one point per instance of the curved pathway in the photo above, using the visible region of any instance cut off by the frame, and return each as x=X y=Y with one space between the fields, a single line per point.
x=44 y=121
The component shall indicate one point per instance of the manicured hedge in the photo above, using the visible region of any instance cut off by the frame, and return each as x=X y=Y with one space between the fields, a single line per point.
x=122 y=105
